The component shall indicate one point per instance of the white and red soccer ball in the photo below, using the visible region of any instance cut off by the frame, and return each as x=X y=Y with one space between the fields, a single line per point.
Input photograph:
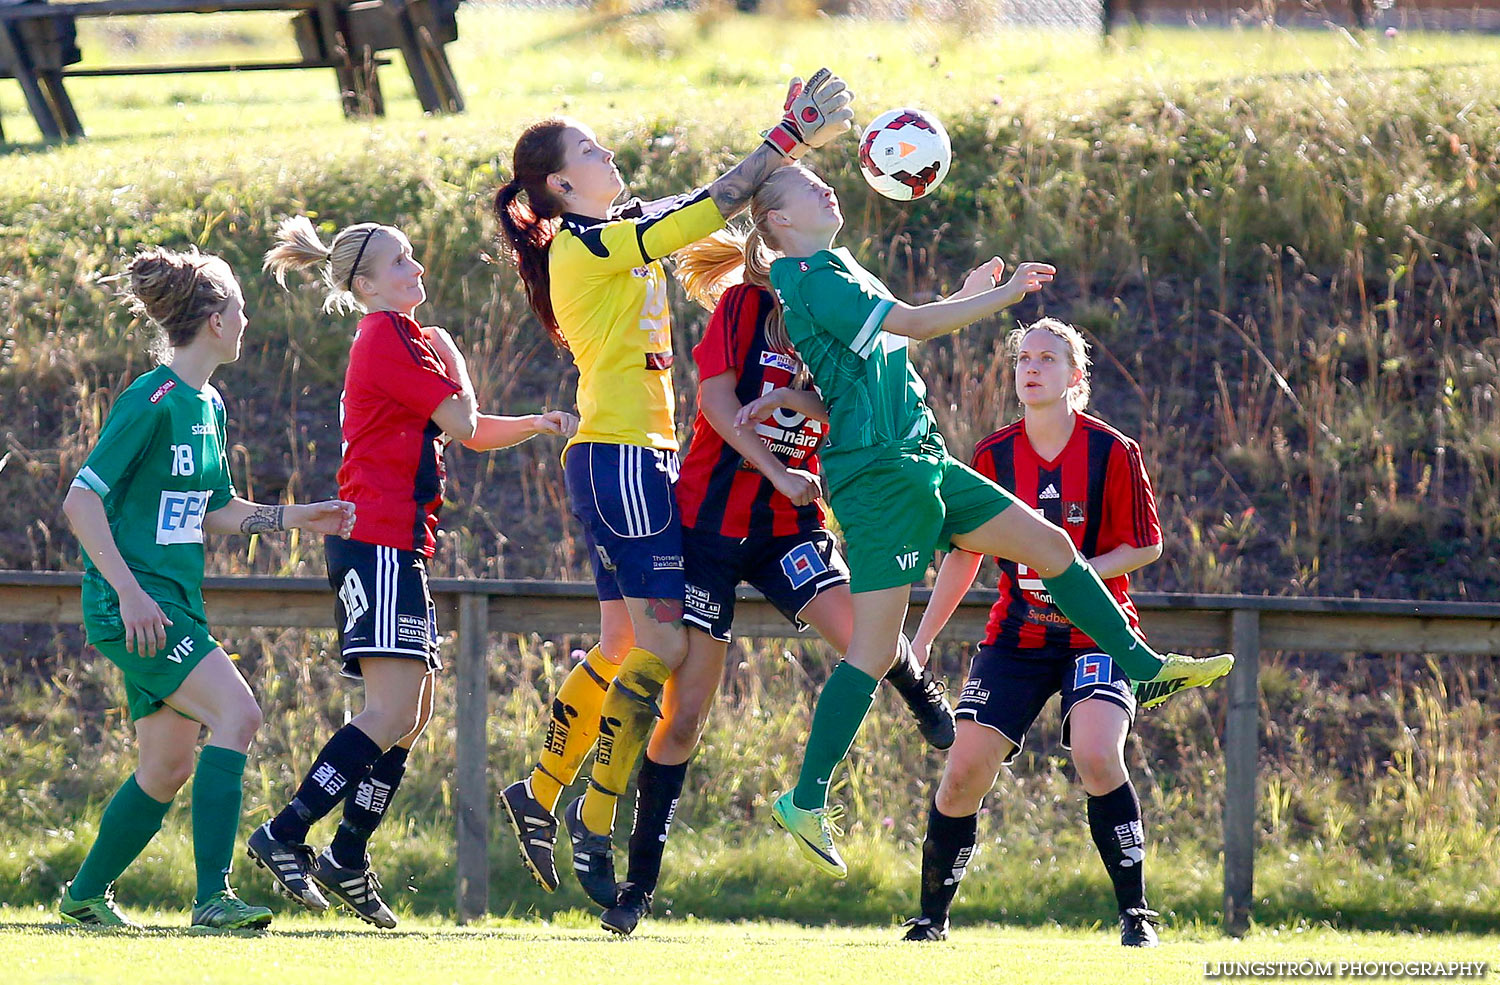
x=904 y=154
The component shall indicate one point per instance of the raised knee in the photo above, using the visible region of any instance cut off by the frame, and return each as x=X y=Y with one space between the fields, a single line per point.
x=962 y=789
x=166 y=776
x=684 y=728
x=1056 y=553
x=397 y=727
x=1100 y=771
x=237 y=727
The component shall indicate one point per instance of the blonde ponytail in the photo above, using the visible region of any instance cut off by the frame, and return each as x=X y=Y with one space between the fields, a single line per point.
x=299 y=248
x=711 y=266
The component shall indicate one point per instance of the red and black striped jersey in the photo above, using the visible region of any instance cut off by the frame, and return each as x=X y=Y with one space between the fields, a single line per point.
x=1097 y=490
x=718 y=490
x=393 y=470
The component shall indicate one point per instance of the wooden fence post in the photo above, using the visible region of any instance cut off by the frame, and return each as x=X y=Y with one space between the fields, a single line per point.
x=472 y=795
x=1241 y=764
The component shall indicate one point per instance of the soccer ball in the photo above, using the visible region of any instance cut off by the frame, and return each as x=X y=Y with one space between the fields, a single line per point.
x=904 y=154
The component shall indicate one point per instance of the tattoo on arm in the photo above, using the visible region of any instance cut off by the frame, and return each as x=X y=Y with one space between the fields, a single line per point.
x=263 y=519
x=665 y=611
x=731 y=193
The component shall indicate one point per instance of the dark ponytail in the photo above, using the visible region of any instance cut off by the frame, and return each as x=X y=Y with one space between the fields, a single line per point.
x=528 y=227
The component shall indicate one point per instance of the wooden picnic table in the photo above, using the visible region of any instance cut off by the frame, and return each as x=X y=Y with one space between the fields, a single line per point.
x=38 y=44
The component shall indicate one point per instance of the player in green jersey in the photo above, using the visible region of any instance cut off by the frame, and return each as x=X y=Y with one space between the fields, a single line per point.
x=155 y=482
x=897 y=493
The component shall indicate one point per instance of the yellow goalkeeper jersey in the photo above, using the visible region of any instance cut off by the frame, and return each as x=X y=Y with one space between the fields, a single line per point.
x=609 y=294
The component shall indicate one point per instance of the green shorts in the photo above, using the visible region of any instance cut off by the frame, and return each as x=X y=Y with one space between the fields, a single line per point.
x=896 y=511
x=149 y=681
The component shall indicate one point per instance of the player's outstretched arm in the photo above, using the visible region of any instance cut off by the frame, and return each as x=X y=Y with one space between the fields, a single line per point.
x=331 y=517
x=814 y=114
x=955 y=576
x=492 y=431
x=145 y=623
x=971 y=303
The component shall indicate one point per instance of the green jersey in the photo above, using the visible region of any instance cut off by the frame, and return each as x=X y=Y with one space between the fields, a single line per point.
x=834 y=310
x=160 y=466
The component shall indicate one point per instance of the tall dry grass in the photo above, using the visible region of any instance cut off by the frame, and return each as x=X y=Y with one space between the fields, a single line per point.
x=1291 y=288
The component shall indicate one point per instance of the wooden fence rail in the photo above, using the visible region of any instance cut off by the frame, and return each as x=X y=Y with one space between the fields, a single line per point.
x=1244 y=624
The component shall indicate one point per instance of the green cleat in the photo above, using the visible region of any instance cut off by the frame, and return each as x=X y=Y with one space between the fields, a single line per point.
x=226 y=911
x=96 y=911
x=813 y=831
x=1179 y=672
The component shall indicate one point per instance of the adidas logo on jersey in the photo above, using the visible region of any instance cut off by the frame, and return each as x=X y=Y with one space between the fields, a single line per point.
x=1050 y=492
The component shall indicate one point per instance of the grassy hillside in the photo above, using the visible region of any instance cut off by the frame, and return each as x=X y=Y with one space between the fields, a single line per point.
x=1281 y=245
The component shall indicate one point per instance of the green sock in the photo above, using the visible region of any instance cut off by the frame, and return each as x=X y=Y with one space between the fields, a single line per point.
x=216 y=816
x=130 y=820
x=841 y=709
x=1081 y=596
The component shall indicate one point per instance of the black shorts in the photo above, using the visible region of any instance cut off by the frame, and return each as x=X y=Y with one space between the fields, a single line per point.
x=789 y=571
x=1007 y=689
x=381 y=604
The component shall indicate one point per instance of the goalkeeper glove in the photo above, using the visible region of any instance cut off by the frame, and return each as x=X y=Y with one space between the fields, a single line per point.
x=816 y=113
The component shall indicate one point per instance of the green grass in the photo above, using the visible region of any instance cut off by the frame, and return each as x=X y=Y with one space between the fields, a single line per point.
x=35 y=950
x=1280 y=243
x=517 y=64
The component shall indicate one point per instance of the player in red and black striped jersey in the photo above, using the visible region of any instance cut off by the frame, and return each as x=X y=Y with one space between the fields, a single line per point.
x=1097 y=490
x=748 y=495
x=407 y=393
x=719 y=491
x=1089 y=479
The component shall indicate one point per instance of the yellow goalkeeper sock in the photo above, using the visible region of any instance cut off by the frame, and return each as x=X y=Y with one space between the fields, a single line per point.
x=630 y=711
x=573 y=727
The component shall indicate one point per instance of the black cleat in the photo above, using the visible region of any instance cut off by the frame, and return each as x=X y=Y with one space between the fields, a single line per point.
x=290 y=866
x=357 y=889
x=1138 y=927
x=593 y=858
x=926 y=698
x=925 y=929
x=536 y=832
x=631 y=905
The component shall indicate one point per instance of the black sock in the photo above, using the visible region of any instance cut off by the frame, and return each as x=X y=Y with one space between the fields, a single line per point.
x=1115 y=822
x=657 y=789
x=946 y=852
x=346 y=759
x=364 y=807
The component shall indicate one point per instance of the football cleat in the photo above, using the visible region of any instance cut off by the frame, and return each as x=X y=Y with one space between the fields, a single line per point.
x=290 y=866
x=1138 y=927
x=813 y=831
x=226 y=911
x=536 y=832
x=1178 y=673
x=96 y=911
x=593 y=858
x=631 y=905
x=927 y=699
x=925 y=929
x=357 y=889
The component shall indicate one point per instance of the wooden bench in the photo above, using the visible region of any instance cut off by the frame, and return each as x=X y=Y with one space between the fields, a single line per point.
x=38 y=43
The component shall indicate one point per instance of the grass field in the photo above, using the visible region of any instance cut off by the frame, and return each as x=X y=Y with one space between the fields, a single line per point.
x=35 y=949
x=1281 y=242
x=697 y=68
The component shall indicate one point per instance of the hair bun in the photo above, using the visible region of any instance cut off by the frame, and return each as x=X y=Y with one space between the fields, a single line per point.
x=177 y=291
